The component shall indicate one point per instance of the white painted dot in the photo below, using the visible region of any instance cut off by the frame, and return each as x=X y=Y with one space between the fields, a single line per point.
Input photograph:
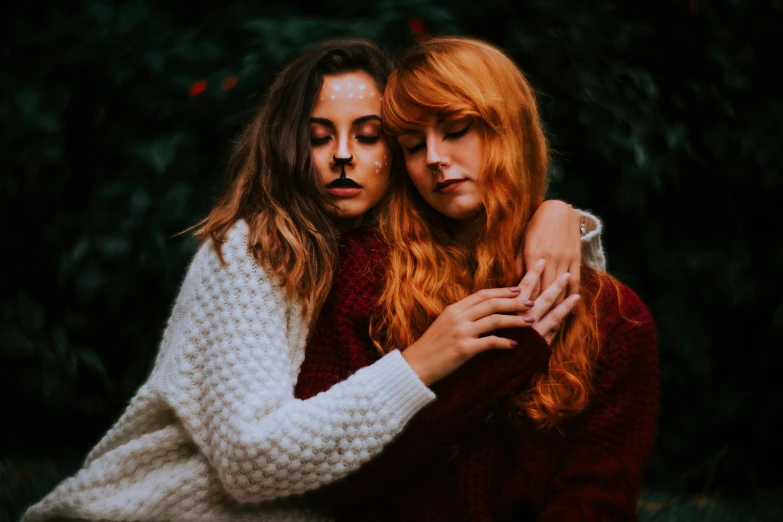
x=361 y=96
x=332 y=96
x=372 y=94
x=362 y=86
x=336 y=87
x=350 y=95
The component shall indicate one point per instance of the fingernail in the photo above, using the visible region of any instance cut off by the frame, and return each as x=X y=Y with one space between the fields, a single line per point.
x=540 y=263
x=530 y=320
x=529 y=303
x=513 y=343
x=565 y=277
x=515 y=289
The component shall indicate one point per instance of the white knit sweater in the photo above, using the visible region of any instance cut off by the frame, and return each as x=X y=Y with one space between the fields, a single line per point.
x=216 y=429
x=216 y=434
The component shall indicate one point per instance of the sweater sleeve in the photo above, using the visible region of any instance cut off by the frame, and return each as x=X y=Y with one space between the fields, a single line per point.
x=592 y=249
x=610 y=443
x=229 y=368
x=463 y=398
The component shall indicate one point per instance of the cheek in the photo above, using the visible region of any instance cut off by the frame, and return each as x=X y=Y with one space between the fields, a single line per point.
x=321 y=162
x=418 y=173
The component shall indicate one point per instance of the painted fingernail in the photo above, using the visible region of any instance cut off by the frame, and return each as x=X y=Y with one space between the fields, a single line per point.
x=515 y=289
x=513 y=343
x=529 y=303
x=540 y=263
x=530 y=320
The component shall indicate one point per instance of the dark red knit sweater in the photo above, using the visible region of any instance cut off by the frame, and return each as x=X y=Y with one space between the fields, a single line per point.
x=451 y=463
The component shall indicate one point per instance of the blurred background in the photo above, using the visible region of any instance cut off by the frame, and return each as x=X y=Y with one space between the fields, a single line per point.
x=116 y=119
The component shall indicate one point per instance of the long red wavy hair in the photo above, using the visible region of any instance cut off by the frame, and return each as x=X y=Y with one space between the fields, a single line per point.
x=428 y=270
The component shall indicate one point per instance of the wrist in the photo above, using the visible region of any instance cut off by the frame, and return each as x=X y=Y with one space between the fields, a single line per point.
x=410 y=354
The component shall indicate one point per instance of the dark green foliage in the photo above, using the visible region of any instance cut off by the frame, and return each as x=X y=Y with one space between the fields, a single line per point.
x=665 y=120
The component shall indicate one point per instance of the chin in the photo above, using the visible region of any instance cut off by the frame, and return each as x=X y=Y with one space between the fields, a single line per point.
x=351 y=211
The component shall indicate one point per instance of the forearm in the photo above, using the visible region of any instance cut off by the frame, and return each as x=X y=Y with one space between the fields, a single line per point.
x=463 y=398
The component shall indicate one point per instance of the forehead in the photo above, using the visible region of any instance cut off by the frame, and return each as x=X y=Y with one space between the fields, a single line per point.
x=345 y=97
x=423 y=120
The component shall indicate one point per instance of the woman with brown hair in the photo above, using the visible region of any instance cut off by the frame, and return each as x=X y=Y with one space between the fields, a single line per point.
x=215 y=433
x=558 y=431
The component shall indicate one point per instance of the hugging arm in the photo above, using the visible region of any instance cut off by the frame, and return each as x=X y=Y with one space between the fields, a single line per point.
x=228 y=369
x=566 y=239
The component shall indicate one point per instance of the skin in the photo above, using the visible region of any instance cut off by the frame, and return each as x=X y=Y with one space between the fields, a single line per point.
x=346 y=123
x=443 y=160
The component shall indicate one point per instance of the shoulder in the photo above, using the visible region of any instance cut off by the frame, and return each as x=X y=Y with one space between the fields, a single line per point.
x=230 y=259
x=629 y=338
x=619 y=307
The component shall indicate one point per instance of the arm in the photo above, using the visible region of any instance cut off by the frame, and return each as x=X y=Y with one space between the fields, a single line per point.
x=610 y=442
x=228 y=369
x=462 y=399
x=554 y=233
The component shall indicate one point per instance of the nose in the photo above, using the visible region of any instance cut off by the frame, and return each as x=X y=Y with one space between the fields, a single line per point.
x=343 y=155
x=435 y=157
x=341 y=162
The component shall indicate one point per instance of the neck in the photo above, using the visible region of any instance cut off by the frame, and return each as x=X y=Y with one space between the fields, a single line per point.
x=344 y=224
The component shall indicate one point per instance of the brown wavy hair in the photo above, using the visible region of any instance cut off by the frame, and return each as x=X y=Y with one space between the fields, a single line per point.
x=461 y=77
x=271 y=181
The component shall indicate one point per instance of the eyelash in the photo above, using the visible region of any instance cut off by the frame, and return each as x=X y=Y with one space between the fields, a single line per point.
x=367 y=140
x=452 y=135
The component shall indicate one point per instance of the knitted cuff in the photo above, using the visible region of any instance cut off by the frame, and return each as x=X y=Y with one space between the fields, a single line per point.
x=396 y=381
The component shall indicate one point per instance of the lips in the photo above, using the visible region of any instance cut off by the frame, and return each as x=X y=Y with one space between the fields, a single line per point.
x=343 y=188
x=341 y=183
x=344 y=192
x=450 y=185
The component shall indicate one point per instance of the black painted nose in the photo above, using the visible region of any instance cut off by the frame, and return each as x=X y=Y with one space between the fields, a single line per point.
x=340 y=162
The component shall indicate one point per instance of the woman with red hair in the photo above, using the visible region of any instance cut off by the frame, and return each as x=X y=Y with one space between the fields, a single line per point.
x=559 y=430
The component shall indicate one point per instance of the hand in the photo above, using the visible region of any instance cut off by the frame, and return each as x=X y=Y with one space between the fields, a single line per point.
x=547 y=318
x=553 y=234
x=457 y=334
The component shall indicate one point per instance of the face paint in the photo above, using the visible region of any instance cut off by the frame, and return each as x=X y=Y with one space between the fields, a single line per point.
x=349 y=150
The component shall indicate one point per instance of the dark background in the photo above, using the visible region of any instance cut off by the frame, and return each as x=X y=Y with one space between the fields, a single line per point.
x=117 y=118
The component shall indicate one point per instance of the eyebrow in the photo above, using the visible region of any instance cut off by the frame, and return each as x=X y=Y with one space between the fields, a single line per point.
x=358 y=121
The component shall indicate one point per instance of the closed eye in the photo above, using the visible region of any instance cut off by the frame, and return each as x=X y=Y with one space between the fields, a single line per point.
x=320 y=141
x=416 y=148
x=369 y=140
x=459 y=133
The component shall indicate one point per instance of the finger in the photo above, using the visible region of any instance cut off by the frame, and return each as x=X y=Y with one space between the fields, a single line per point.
x=576 y=273
x=553 y=320
x=520 y=264
x=497 y=321
x=530 y=281
x=482 y=295
x=561 y=269
x=547 y=298
x=491 y=342
x=536 y=289
x=550 y=275
x=497 y=305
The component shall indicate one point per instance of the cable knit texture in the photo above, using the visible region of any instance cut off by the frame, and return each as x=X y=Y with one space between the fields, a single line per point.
x=216 y=432
x=451 y=462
